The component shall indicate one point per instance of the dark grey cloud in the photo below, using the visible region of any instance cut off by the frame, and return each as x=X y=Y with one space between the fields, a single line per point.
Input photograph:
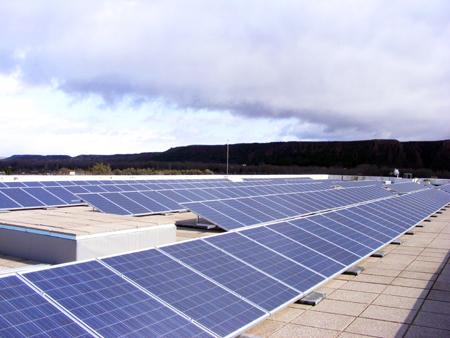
x=348 y=69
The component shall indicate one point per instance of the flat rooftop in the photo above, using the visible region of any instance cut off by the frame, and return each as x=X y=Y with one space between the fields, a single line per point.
x=404 y=294
x=83 y=220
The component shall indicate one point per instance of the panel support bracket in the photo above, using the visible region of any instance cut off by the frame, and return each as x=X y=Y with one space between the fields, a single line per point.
x=397 y=241
x=420 y=225
x=313 y=298
x=354 y=270
x=410 y=233
x=379 y=254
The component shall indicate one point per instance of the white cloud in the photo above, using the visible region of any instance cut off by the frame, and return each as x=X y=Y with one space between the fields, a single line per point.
x=328 y=69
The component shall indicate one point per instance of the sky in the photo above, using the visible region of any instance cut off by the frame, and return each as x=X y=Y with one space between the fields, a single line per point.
x=109 y=77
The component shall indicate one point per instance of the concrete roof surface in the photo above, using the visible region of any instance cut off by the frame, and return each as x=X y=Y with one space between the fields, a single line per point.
x=404 y=294
x=83 y=220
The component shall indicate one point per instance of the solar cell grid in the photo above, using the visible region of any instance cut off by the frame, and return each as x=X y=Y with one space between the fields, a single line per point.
x=15 y=185
x=110 y=305
x=76 y=189
x=33 y=184
x=214 y=216
x=24 y=313
x=376 y=209
x=240 y=205
x=293 y=250
x=233 y=274
x=374 y=237
x=64 y=195
x=23 y=198
x=147 y=202
x=274 y=203
x=268 y=261
x=187 y=291
x=330 y=230
x=7 y=203
x=94 y=188
x=126 y=203
x=310 y=240
x=45 y=197
x=103 y=204
x=170 y=204
x=373 y=221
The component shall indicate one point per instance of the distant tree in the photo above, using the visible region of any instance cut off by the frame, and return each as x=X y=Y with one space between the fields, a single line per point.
x=101 y=169
x=8 y=171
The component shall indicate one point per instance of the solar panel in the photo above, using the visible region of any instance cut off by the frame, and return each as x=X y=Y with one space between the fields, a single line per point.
x=299 y=253
x=33 y=184
x=103 y=204
x=150 y=204
x=25 y=313
x=270 y=262
x=94 y=188
x=45 y=197
x=126 y=203
x=233 y=274
x=23 y=198
x=331 y=231
x=7 y=203
x=202 y=300
x=65 y=195
x=15 y=185
x=109 y=304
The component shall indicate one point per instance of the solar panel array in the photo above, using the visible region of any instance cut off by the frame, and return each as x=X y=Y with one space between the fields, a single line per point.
x=236 y=213
x=217 y=286
x=143 y=202
x=45 y=194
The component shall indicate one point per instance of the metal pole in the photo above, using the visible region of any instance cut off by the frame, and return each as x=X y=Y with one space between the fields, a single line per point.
x=228 y=153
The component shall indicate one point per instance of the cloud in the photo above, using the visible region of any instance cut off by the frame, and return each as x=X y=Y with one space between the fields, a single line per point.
x=328 y=69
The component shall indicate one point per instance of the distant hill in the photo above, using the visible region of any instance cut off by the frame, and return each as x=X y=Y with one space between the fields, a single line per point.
x=433 y=155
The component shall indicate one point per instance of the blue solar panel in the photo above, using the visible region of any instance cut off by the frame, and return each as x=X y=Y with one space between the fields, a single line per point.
x=33 y=184
x=15 y=185
x=329 y=230
x=167 y=202
x=7 y=203
x=147 y=202
x=257 y=214
x=126 y=203
x=372 y=221
x=214 y=216
x=64 y=194
x=268 y=261
x=76 y=189
x=22 y=198
x=94 y=188
x=111 y=188
x=356 y=223
x=295 y=251
x=24 y=313
x=45 y=197
x=109 y=304
x=103 y=204
x=233 y=274
x=210 y=305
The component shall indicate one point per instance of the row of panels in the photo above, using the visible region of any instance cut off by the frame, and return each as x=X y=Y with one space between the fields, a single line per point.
x=243 y=212
x=155 y=184
x=216 y=286
x=42 y=197
x=151 y=202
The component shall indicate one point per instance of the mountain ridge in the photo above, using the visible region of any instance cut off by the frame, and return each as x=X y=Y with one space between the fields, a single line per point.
x=433 y=155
